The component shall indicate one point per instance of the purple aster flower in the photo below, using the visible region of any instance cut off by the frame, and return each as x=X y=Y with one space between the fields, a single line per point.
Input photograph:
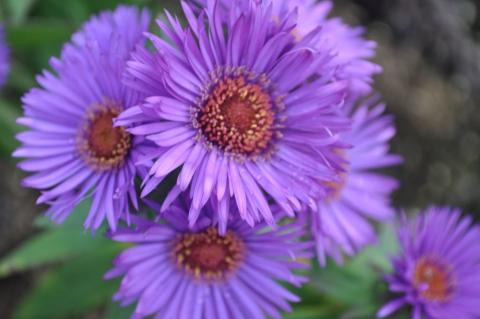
x=341 y=224
x=71 y=145
x=175 y=271
x=438 y=269
x=240 y=111
x=352 y=51
x=4 y=57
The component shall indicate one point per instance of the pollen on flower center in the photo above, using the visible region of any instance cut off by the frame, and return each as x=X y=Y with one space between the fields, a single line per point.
x=237 y=117
x=208 y=255
x=102 y=145
x=433 y=280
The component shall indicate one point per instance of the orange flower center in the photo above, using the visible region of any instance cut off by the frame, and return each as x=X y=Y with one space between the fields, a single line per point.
x=434 y=278
x=237 y=117
x=208 y=255
x=102 y=145
x=336 y=187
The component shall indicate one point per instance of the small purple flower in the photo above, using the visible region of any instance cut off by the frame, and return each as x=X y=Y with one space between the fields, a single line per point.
x=4 y=57
x=438 y=269
x=341 y=222
x=174 y=271
x=240 y=111
x=71 y=146
x=352 y=51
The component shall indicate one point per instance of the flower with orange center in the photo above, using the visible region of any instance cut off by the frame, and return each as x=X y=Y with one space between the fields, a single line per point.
x=208 y=255
x=241 y=110
x=438 y=268
x=72 y=148
x=237 y=117
x=102 y=145
x=173 y=270
x=432 y=279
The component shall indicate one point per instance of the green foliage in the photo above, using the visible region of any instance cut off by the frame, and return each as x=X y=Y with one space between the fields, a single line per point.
x=72 y=289
x=17 y=10
x=114 y=311
x=52 y=246
x=350 y=290
x=8 y=127
x=72 y=283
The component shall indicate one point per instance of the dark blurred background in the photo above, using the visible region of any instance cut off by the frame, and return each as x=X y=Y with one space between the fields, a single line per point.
x=430 y=52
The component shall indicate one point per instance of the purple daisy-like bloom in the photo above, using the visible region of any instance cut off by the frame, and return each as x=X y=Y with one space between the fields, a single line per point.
x=352 y=52
x=4 y=57
x=175 y=271
x=438 y=269
x=71 y=146
x=241 y=111
x=341 y=224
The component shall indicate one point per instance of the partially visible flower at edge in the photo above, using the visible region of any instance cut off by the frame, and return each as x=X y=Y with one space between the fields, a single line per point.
x=341 y=224
x=4 y=57
x=437 y=271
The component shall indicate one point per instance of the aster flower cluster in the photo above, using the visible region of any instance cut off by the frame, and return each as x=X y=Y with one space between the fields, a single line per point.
x=262 y=114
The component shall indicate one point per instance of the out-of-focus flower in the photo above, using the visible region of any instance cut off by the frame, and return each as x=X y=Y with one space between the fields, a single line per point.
x=242 y=111
x=175 y=271
x=438 y=269
x=4 y=57
x=71 y=146
x=341 y=222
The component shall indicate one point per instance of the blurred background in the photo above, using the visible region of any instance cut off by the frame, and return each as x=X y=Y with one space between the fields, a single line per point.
x=430 y=52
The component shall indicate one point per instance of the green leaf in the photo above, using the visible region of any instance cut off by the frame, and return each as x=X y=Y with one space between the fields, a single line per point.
x=8 y=127
x=21 y=79
x=18 y=9
x=76 y=286
x=33 y=43
x=115 y=311
x=58 y=243
x=35 y=33
x=73 y=289
x=309 y=312
x=357 y=283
